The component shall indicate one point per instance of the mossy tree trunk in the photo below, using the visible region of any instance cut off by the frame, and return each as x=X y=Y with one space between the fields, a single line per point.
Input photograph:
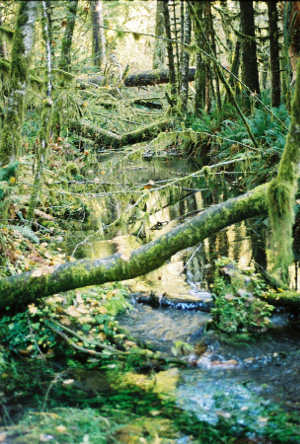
x=108 y=138
x=99 y=50
x=28 y=287
x=20 y=57
x=43 y=135
x=171 y=62
x=214 y=48
x=200 y=67
x=207 y=62
x=3 y=52
x=281 y=192
x=293 y=17
x=143 y=78
x=66 y=44
x=159 y=49
x=249 y=55
x=277 y=197
x=274 y=53
x=185 y=61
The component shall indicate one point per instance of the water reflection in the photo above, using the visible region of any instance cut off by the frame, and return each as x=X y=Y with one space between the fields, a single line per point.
x=188 y=272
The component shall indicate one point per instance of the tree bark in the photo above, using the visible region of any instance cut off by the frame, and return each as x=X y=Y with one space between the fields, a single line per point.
x=200 y=67
x=43 y=134
x=170 y=51
x=20 y=56
x=159 y=49
x=249 y=56
x=26 y=288
x=214 y=48
x=274 y=53
x=99 y=51
x=66 y=44
x=185 y=62
x=3 y=52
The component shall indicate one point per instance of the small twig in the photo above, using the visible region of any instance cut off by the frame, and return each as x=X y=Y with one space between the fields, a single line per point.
x=191 y=258
x=98 y=344
x=49 y=388
x=7 y=414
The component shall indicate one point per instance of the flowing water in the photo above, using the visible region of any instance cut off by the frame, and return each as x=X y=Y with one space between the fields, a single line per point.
x=239 y=383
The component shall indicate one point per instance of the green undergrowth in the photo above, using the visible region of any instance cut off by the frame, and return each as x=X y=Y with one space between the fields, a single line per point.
x=227 y=139
x=237 y=307
x=88 y=404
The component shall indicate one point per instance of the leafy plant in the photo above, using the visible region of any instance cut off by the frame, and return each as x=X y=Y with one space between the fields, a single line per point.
x=237 y=309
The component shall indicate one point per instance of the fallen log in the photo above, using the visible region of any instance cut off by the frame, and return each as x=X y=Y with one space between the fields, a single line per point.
x=192 y=303
x=107 y=138
x=20 y=290
x=143 y=78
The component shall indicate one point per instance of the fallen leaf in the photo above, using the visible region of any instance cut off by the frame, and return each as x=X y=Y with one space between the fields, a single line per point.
x=68 y=381
x=61 y=428
x=72 y=311
x=32 y=309
x=102 y=310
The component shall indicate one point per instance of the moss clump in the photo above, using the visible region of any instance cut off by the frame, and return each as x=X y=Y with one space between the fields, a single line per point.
x=280 y=197
x=72 y=169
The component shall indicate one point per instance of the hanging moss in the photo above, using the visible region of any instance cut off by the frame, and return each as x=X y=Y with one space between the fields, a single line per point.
x=7 y=33
x=281 y=192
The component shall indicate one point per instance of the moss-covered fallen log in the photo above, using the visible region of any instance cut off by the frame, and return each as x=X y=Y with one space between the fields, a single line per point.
x=107 y=138
x=28 y=287
x=143 y=78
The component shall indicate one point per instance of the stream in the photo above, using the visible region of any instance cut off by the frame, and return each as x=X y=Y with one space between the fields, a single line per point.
x=243 y=384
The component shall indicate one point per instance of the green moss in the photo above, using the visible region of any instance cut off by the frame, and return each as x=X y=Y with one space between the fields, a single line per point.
x=281 y=193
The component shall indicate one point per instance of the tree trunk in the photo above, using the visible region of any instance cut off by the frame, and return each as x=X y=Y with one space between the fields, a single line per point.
x=249 y=57
x=66 y=44
x=207 y=62
x=294 y=37
x=170 y=51
x=185 y=62
x=214 y=48
x=143 y=78
x=281 y=192
x=99 y=51
x=26 y=288
x=3 y=52
x=43 y=134
x=274 y=53
x=110 y=139
x=235 y=63
x=159 y=49
x=200 y=67
x=20 y=57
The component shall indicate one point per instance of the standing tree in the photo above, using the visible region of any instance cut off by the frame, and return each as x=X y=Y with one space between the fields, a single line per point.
x=170 y=51
x=185 y=61
x=20 y=58
x=66 y=44
x=249 y=56
x=99 y=50
x=274 y=53
x=159 y=49
x=200 y=68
